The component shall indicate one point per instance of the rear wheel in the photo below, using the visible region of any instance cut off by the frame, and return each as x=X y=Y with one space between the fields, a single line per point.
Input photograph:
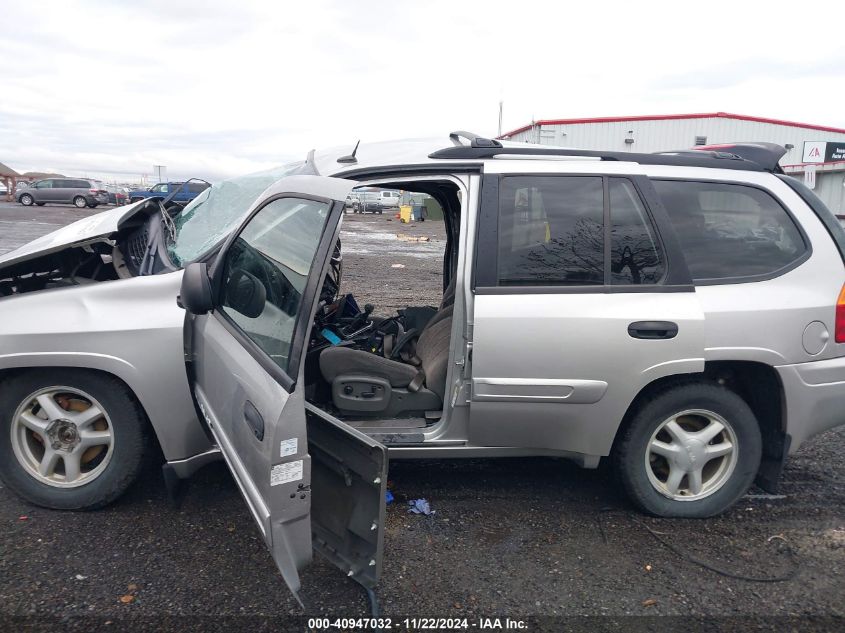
x=692 y=451
x=27 y=200
x=69 y=439
x=80 y=202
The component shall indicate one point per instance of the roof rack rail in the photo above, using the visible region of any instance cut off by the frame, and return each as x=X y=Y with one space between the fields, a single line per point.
x=474 y=139
x=742 y=156
x=766 y=155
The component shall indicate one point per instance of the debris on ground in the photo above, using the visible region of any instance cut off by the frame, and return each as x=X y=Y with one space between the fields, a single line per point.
x=388 y=497
x=80 y=577
x=413 y=238
x=420 y=506
x=650 y=602
x=128 y=598
x=397 y=266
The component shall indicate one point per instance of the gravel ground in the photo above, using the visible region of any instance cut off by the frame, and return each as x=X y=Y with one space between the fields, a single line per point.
x=517 y=537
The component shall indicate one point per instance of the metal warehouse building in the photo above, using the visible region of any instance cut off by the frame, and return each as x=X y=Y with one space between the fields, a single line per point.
x=815 y=152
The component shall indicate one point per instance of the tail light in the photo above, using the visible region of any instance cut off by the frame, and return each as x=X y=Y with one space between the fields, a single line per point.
x=840 y=318
x=94 y=191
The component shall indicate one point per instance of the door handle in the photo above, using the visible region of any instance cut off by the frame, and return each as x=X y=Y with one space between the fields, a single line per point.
x=254 y=420
x=653 y=329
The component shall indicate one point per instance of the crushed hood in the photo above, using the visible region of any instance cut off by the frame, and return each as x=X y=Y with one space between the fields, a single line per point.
x=95 y=228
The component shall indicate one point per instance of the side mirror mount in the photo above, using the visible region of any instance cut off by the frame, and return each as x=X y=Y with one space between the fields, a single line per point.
x=195 y=295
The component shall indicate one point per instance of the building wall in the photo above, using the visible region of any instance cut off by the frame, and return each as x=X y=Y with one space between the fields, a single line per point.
x=672 y=134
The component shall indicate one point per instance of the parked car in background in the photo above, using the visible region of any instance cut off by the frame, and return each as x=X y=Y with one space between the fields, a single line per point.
x=80 y=192
x=377 y=201
x=117 y=195
x=352 y=202
x=21 y=185
x=185 y=191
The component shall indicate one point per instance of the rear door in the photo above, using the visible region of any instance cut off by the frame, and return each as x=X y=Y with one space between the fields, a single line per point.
x=582 y=298
x=307 y=479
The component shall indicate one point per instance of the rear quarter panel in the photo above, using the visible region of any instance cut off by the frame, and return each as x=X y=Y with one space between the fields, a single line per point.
x=765 y=321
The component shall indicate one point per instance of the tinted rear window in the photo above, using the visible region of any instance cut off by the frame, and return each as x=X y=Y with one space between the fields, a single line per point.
x=835 y=224
x=551 y=231
x=730 y=231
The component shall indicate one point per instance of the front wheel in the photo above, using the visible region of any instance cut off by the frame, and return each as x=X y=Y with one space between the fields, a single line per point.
x=26 y=200
x=69 y=439
x=692 y=451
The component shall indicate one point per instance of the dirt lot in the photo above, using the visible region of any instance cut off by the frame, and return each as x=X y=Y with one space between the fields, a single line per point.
x=517 y=537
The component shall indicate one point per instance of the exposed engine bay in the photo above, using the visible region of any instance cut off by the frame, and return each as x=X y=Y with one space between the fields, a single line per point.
x=130 y=252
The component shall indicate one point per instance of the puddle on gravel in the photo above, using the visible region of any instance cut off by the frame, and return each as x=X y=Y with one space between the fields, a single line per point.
x=362 y=240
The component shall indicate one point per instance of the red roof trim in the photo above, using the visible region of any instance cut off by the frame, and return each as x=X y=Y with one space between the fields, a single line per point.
x=670 y=117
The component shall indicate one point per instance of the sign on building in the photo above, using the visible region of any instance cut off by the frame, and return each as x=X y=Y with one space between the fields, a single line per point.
x=823 y=151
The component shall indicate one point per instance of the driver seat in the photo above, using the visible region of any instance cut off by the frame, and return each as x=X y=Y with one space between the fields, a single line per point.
x=365 y=384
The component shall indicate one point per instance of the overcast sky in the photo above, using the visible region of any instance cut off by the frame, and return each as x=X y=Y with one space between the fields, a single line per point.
x=220 y=89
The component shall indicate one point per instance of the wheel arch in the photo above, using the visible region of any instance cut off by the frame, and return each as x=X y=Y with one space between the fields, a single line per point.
x=758 y=384
x=175 y=443
x=8 y=372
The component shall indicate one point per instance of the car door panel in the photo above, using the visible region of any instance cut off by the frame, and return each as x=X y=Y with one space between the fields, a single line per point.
x=565 y=367
x=308 y=479
x=558 y=358
x=235 y=378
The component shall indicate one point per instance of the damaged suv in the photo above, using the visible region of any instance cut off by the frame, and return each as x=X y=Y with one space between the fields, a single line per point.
x=680 y=313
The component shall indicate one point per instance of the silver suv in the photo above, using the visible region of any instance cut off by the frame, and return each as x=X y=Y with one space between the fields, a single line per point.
x=681 y=314
x=80 y=192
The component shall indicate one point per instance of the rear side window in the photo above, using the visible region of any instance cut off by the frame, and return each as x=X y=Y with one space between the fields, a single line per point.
x=552 y=232
x=634 y=253
x=730 y=232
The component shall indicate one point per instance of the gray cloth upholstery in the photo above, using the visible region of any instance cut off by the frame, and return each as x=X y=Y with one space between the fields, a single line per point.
x=433 y=352
x=432 y=349
x=336 y=361
x=449 y=293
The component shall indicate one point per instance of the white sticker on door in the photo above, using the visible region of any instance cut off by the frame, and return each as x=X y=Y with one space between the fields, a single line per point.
x=283 y=473
x=288 y=447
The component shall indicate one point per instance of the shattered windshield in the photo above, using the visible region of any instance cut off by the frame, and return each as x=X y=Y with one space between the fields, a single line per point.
x=218 y=210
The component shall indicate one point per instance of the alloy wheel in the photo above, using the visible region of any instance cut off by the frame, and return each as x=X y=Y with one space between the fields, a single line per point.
x=691 y=455
x=62 y=437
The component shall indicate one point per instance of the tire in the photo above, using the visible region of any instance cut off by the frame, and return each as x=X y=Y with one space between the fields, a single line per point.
x=27 y=200
x=102 y=476
x=645 y=469
x=80 y=202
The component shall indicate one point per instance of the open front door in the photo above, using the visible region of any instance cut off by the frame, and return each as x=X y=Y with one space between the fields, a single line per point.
x=247 y=357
